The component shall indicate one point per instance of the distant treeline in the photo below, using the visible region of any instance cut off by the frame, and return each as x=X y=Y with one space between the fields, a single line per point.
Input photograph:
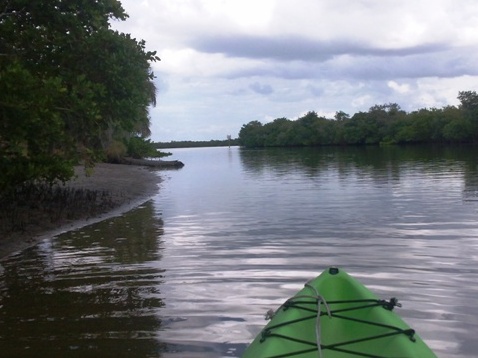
x=382 y=124
x=192 y=144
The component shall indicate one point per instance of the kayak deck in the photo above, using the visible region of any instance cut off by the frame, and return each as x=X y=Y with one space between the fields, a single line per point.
x=335 y=316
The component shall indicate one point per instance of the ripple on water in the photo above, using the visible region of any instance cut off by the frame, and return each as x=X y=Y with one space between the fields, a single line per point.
x=234 y=234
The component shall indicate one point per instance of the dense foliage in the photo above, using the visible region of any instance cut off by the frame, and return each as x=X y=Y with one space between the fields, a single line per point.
x=382 y=124
x=139 y=148
x=70 y=87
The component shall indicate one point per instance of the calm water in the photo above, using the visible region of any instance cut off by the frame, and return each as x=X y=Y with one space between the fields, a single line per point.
x=235 y=233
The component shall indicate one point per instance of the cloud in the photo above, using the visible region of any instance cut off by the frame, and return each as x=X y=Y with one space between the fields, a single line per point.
x=300 y=48
x=400 y=88
x=261 y=89
x=368 y=67
x=227 y=62
x=162 y=85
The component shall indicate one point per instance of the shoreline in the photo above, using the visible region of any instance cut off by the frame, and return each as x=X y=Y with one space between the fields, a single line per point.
x=126 y=186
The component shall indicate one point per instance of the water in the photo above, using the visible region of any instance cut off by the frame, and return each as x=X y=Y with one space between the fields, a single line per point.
x=235 y=233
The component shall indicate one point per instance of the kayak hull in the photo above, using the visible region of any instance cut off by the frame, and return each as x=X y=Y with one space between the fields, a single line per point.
x=347 y=320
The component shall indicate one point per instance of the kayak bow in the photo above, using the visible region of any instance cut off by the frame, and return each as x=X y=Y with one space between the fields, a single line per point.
x=335 y=316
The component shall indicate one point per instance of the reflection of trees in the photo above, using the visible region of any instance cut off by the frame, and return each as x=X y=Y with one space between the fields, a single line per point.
x=132 y=238
x=470 y=170
x=380 y=164
x=92 y=292
x=282 y=160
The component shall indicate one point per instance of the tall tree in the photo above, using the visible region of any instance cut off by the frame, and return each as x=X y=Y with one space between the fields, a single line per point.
x=252 y=134
x=469 y=107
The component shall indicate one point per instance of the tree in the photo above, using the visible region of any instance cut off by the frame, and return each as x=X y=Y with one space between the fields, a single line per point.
x=382 y=124
x=469 y=101
x=277 y=132
x=341 y=116
x=252 y=134
x=68 y=86
x=32 y=143
x=469 y=107
x=122 y=70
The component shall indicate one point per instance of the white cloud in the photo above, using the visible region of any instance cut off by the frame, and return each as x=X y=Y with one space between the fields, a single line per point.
x=246 y=15
x=400 y=88
x=362 y=101
x=227 y=62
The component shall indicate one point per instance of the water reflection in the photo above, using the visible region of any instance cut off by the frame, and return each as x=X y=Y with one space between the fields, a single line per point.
x=91 y=292
x=243 y=230
x=379 y=165
x=394 y=217
x=366 y=157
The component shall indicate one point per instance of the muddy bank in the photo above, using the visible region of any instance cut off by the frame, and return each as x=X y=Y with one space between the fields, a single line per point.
x=110 y=190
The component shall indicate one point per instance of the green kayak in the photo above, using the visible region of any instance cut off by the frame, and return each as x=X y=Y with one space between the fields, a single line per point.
x=335 y=316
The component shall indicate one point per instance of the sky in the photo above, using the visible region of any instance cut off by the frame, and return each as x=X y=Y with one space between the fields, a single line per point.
x=225 y=63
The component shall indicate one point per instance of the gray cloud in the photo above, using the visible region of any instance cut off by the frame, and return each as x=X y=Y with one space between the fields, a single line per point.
x=316 y=91
x=351 y=67
x=296 y=57
x=261 y=89
x=444 y=65
x=299 y=48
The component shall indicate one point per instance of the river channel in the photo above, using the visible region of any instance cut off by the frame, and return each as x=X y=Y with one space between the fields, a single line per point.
x=191 y=272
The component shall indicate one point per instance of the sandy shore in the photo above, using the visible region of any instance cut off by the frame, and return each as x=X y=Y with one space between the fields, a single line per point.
x=126 y=186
